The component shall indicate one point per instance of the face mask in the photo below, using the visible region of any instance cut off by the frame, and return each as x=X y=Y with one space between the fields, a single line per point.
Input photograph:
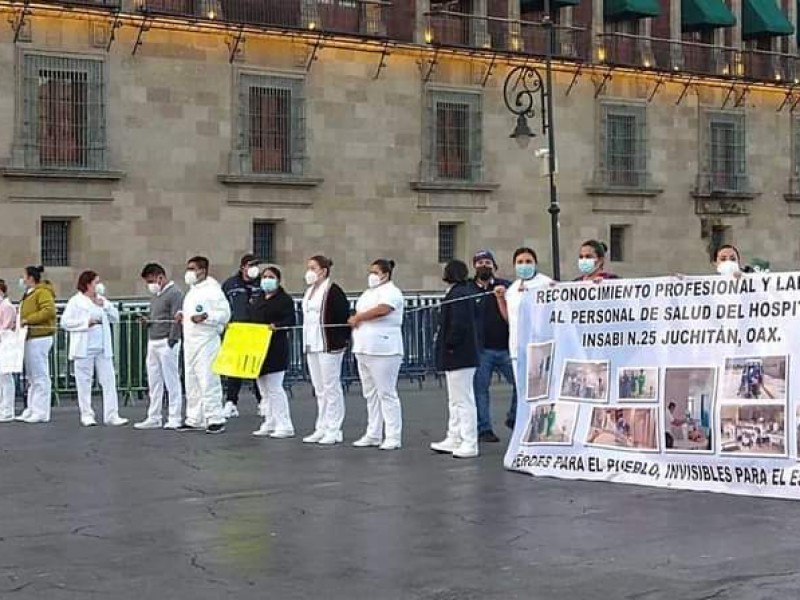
x=268 y=284
x=100 y=289
x=374 y=280
x=525 y=271
x=252 y=272
x=484 y=273
x=153 y=288
x=586 y=265
x=311 y=277
x=190 y=277
x=728 y=267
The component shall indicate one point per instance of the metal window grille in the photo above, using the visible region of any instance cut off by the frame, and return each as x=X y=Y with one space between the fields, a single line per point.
x=272 y=125
x=55 y=242
x=623 y=159
x=264 y=240
x=718 y=238
x=617 y=240
x=448 y=237
x=725 y=152
x=63 y=113
x=455 y=136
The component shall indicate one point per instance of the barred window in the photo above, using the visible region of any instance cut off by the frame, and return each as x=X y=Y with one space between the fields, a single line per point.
x=454 y=134
x=272 y=125
x=725 y=152
x=448 y=241
x=623 y=148
x=63 y=115
x=55 y=242
x=618 y=242
x=264 y=240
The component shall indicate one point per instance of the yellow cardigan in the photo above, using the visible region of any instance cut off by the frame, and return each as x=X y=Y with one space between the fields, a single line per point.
x=38 y=310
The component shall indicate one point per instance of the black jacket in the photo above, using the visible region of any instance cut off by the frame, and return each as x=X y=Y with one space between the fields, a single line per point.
x=279 y=312
x=335 y=311
x=457 y=336
x=239 y=294
x=492 y=328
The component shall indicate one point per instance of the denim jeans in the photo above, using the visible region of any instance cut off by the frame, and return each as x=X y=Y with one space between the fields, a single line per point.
x=491 y=361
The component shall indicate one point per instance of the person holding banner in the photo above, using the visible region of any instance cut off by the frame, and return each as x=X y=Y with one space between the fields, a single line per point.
x=325 y=337
x=274 y=308
x=457 y=356
x=378 y=346
x=37 y=312
x=8 y=322
x=728 y=261
x=592 y=262
x=88 y=317
x=204 y=315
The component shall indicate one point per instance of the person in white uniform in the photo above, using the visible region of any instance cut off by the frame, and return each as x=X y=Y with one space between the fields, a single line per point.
x=378 y=346
x=8 y=321
x=205 y=313
x=326 y=334
x=88 y=317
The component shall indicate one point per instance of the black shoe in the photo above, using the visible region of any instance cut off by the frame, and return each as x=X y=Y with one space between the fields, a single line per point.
x=186 y=427
x=510 y=424
x=215 y=428
x=488 y=436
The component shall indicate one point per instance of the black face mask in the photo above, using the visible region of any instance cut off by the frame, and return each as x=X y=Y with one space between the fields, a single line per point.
x=484 y=273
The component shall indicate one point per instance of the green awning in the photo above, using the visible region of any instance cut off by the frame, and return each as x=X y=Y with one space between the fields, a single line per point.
x=622 y=10
x=538 y=5
x=763 y=18
x=697 y=15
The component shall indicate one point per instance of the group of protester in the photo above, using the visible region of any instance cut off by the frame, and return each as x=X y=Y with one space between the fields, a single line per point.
x=476 y=337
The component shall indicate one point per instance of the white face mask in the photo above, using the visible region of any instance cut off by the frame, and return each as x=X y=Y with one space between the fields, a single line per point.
x=153 y=288
x=100 y=289
x=374 y=280
x=728 y=267
x=253 y=272
x=311 y=277
x=190 y=277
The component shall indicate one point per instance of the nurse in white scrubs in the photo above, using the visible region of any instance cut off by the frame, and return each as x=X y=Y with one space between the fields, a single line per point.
x=378 y=346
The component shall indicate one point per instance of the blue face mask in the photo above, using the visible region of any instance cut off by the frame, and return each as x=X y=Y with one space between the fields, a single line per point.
x=525 y=271
x=586 y=265
x=269 y=285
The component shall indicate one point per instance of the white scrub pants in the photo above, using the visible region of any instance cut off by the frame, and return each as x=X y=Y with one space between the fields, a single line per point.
x=85 y=369
x=326 y=377
x=7 y=391
x=462 y=425
x=275 y=402
x=162 y=371
x=379 y=385
x=203 y=386
x=37 y=370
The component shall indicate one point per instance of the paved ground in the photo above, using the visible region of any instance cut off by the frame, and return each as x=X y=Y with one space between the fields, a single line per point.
x=104 y=513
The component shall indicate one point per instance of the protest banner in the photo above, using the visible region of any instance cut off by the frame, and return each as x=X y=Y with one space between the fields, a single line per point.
x=687 y=383
x=244 y=348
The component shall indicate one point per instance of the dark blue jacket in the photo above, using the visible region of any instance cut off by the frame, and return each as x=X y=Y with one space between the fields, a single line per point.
x=240 y=293
x=457 y=337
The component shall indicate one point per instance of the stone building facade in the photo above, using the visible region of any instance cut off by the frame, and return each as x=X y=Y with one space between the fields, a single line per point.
x=356 y=129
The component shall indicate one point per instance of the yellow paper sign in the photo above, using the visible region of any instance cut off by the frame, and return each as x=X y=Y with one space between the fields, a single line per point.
x=243 y=350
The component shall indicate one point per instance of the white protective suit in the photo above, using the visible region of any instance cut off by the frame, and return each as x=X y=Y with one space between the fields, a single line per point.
x=201 y=343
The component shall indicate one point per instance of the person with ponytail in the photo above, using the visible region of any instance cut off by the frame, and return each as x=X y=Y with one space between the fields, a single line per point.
x=592 y=262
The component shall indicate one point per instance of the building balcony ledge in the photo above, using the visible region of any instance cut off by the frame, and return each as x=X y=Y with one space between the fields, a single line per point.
x=433 y=187
x=61 y=174
x=296 y=181
x=605 y=190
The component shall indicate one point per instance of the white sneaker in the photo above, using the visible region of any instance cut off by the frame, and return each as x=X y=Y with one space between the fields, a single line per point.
x=229 y=411
x=117 y=421
x=8 y=419
x=446 y=446
x=25 y=414
x=173 y=425
x=314 y=437
x=466 y=451
x=367 y=442
x=390 y=445
x=33 y=419
x=263 y=431
x=88 y=421
x=331 y=438
x=282 y=434
x=148 y=424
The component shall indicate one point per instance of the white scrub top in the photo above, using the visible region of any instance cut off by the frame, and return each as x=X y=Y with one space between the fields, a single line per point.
x=382 y=336
x=514 y=300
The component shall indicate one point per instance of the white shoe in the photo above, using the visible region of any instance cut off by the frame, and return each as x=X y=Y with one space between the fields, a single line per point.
x=117 y=421
x=148 y=424
x=25 y=414
x=172 y=425
x=331 y=438
x=390 y=445
x=466 y=451
x=33 y=419
x=8 y=419
x=314 y=437
x=282 y=434
x=229 y=411
x=263 y=431
x=446 y=446
x=366 y=442
x=88 y=421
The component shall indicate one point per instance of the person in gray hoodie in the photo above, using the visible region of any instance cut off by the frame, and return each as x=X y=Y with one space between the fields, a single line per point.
x=163 y=348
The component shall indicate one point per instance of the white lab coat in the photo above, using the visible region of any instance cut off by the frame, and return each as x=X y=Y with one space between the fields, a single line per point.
x=75 y=320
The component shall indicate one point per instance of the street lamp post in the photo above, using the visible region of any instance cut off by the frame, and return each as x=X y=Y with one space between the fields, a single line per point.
x=521 y=87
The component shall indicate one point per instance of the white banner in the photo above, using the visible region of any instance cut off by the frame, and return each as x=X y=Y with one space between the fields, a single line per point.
x=687 y=383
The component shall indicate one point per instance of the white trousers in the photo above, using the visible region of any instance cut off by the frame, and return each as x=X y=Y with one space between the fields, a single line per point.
x=275 y=402
x=203 y=386
x=326 y=377
x=162 y=371
x=7 y=391
x=37 y=370
x=462 y=425
x=378 y=376
x=85 y=369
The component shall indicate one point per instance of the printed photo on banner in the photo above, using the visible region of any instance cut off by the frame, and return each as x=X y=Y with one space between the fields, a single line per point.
x=552 y=423
x=585 y=380
x=755 y=378
x=688 y=409
x=637 y=384
x=753 y=429
x=540 y=364
x=624 y=428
